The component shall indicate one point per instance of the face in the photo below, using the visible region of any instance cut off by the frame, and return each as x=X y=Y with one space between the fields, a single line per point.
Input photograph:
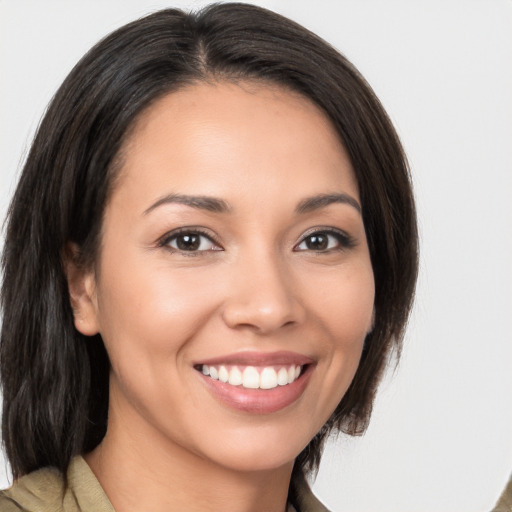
x=234 y=287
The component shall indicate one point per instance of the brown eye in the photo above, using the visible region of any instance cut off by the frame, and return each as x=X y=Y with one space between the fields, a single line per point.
x=188 y=242
x=324 y=241
x=317 y=242
x=191 y=242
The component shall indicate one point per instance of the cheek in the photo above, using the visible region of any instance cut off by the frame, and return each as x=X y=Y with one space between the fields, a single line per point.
x=344 y=302
x=148 y=320
x=148 y=313
x=344 y=309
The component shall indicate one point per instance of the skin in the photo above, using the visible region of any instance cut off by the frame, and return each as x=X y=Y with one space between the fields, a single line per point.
x=171 y=444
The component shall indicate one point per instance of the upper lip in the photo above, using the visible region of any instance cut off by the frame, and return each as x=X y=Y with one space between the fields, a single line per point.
x=259 y=359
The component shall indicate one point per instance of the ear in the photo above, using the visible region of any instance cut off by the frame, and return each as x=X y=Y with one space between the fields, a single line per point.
x=82 y=292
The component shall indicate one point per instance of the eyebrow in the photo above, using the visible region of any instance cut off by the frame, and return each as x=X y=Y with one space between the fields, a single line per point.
x=215 y=205
x=210 y=204
x=322 y=200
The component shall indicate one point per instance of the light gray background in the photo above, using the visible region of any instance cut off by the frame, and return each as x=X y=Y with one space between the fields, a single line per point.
x=441 y=435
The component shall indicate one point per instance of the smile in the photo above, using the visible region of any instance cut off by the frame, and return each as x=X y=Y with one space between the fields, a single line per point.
x=257 y=383
x=252 y=377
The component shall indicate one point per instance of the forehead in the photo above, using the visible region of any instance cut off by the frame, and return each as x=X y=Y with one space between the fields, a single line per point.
x=210 y=138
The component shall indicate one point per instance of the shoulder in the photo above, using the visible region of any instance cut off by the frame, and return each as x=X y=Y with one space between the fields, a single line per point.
x=46 y=490
x=302 y=496
x=505 y=502
x=40 y=491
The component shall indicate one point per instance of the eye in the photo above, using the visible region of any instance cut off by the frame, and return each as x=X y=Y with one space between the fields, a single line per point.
x=324 y=241
x=190 y=241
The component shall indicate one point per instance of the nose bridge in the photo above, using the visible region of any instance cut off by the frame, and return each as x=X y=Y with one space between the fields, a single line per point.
x=261 y=293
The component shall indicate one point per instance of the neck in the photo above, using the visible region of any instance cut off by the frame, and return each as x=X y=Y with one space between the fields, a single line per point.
x=141 y=472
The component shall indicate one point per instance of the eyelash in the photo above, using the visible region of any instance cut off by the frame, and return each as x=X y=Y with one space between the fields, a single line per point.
x=165 y=241
x=344 y=240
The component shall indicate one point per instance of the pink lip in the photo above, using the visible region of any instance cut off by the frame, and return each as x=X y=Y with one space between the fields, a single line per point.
x=284 y=358
x=259 y=401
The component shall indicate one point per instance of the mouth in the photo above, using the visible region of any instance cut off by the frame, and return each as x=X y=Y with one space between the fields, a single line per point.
x=257 y=383
x=253 y=377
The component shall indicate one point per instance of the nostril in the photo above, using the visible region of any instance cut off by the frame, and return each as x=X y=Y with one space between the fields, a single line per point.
x=262 y=320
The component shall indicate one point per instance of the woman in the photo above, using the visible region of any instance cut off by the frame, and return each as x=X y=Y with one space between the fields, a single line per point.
x=210 y=254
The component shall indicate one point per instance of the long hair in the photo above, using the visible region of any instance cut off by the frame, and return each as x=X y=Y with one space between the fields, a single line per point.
x=54 y=379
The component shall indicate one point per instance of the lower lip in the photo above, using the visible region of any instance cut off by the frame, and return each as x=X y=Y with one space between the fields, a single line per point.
x=258 y=401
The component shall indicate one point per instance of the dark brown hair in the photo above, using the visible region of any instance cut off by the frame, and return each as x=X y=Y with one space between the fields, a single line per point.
x=54 y=379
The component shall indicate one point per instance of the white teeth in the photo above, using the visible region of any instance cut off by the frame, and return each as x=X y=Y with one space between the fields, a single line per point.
x=282 y=377
x=223 y=374
x=291 y=374
x=268 y=378
x=253 y=378
x=235 y=377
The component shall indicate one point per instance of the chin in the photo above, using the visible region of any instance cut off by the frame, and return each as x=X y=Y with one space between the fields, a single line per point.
x=258 y=462
x=262 y=450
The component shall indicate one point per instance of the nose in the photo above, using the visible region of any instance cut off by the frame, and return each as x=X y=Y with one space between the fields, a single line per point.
x=262 y=296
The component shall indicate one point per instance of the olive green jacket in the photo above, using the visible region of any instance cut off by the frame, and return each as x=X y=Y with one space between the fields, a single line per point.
x=505 y=502
x=45 y=491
